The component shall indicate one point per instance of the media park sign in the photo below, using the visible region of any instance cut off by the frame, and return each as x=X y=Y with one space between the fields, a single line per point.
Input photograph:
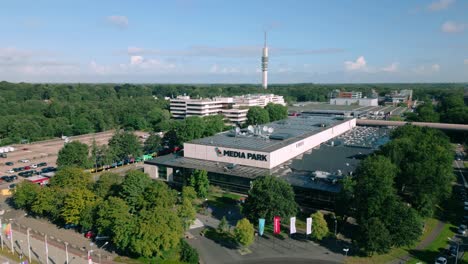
x=240 y=154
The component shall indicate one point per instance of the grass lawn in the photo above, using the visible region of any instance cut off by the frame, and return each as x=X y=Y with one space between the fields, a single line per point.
x=7 y=253
x=396 y=252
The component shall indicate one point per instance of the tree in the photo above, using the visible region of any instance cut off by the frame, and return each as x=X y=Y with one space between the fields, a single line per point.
x=187 y=253
x=186 y=213
x=223 y=225
x=156 y=231
x=199 y=181
x=112 y=213
x=71 y=177
x=133 y=188
x=188 y=192
x=25 y=194
x=257 y=116
x=107 y=185
x=75 y=202
x=152 y=143
x=269 y=197
x=373 y=237
x=75 y=154
x=320 y=227
x=213 y=124
x=244 y=232
x=124 y=145
x=276 y=111
x=48 y=203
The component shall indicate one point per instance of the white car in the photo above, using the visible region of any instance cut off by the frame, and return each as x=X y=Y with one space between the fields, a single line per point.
x=441 y=260
x=34 y=166
x=24 y=160
x=11 y=171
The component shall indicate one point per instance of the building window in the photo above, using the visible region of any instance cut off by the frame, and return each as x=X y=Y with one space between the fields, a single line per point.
x=162 y=172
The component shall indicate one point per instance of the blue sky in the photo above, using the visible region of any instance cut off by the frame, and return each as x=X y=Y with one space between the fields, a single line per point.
x=212 y=41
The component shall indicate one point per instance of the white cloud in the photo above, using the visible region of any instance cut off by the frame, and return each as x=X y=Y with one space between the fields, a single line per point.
x=435 y=67
x=391 y=68
x=359 y=64
x=440 y=5
x=229 y=52
x=214 y=68
x=465 y=61
x=118 y=21
x=136 y=60
x=453 y=27
x=427 y=69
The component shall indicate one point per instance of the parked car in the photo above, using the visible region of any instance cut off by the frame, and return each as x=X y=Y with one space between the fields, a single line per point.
x=42 y=164
x=10 y=171
x=12 y=186
x=462 y=230
x=90 y=234
x=441 y=260
x=34 y=166
x=9 y=163
x=27 y=167
x=24 y=160
x=453 y=250
x=70 y=226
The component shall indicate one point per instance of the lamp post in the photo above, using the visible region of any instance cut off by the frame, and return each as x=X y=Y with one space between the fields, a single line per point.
x=334 y=218
x=66 y=251
x=346 y=251
x=90 y=260
x=29 y=245
x=100 y=251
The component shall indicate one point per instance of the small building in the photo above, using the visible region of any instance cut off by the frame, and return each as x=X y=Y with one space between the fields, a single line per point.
x=354 y=101
x=41 y=180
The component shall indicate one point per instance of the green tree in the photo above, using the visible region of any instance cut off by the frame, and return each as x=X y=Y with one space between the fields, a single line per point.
x=257 y=116
x=244 y=232
x=152 y=143
x=187 y=253
x=112 y=213
x=188 y=192
x=269 y=197
x=320 y=227
x=186 y=213
x=199 y=181
x=71 y=177
x=133 y=188
x=107 y=185
x=213 y=124
x=373 y=236
x=276 y=111
x=74 y=203
x=48 y=203
x=125 y=144
x=223 y=225
x=25 y=194
x=74 y=153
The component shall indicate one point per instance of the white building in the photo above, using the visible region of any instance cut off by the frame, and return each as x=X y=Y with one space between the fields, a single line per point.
x=354 y=101
x=233 y=108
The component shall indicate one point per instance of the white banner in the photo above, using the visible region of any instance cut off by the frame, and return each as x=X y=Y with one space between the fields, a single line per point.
x=309 y=226
x=292 y=229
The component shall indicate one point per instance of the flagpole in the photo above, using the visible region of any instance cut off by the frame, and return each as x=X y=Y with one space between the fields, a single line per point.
x=11 y=239
x=1 y=233
x=46 y=250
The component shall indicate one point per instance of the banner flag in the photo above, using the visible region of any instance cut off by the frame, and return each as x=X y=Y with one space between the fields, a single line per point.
x=292 y=229
x=309 y=226
x=276 y=225
x=261 y=226
x=7 y=230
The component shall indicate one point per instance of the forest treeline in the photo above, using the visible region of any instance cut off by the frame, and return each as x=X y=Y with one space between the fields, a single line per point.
x=33 y=112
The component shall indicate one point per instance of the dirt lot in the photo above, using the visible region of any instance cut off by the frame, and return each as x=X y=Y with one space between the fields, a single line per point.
x=47 y=151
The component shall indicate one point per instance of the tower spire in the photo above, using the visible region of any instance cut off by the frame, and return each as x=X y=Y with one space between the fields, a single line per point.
x=265 y=63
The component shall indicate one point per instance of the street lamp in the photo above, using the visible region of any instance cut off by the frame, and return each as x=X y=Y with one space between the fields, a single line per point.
x=29 y=245
x=66 y=251
x=90 y=260
x=334 y=218
x=346 y=251
x=100 y=251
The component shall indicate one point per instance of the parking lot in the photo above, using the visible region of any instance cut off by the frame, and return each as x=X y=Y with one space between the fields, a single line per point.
x=46 y=151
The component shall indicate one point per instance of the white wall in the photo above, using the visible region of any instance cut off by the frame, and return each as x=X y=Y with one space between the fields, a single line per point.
x=274 y=158
x=209 y=153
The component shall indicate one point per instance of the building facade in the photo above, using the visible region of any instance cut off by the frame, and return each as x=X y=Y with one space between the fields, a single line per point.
x=354 y=101
x=234 y=109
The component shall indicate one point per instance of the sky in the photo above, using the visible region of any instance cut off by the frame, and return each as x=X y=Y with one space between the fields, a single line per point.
x=212 y=41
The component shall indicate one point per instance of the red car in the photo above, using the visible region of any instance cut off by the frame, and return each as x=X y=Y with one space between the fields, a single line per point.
x=27 y=168
x=90 y=234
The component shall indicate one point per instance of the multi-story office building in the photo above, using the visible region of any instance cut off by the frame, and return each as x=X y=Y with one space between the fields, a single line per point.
x=233 y=108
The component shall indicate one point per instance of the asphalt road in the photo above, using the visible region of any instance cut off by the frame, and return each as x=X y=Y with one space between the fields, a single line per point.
x=290 y=260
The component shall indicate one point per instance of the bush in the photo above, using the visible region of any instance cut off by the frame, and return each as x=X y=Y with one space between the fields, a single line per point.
x=187 y=253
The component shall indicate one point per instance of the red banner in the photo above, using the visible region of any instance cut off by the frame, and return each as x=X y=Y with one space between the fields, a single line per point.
x=276 y=225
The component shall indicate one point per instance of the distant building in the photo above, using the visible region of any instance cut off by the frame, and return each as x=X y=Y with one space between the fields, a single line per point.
x=353 y=101
x=233 y=108
x=403 y=96
x=353 y=95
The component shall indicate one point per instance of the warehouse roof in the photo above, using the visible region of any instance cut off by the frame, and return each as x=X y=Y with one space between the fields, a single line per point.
x=282 y=133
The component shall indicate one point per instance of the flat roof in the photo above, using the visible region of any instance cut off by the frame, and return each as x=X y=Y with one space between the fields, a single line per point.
x=292 y=129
